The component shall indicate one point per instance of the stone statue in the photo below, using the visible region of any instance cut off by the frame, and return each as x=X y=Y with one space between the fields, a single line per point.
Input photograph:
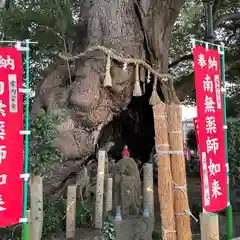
x=127 y=186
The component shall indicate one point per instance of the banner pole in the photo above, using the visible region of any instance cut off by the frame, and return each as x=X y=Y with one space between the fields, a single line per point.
x=229 y=207
x=25 y=224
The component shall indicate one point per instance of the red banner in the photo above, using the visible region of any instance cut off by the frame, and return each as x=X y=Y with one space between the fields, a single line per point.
x=187 y=153
x=208 y=85
x=196 y=128
x=11 y=142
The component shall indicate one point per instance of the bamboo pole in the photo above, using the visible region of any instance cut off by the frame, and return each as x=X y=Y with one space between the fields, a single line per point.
x=36 y=206
x=165 y=185
x=100 y=189
x=209 y=226
x=26 y=147
x=29 y=224
x=181 y=206
x=71 y=212
x=148 y=188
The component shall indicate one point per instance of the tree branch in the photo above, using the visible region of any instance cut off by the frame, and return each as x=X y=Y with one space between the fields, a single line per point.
x=231 y=65
x=228 y=26
x=181 y=59
x=226 y=17
x=215 y=6
x=143 y=26
x=177 y=4
x=185 y=85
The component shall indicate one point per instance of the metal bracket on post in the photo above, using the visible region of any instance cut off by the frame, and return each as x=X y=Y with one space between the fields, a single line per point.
x=24 y=132
x=24 y=90
x=193 y=42
x=25 y=176
x=23 y=220
x=227 y=167
x=220 y=51
x=206 y=46
x=20 y=48
x=223 y=90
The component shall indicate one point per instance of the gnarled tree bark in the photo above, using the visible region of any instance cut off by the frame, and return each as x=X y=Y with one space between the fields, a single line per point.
x=139 y=29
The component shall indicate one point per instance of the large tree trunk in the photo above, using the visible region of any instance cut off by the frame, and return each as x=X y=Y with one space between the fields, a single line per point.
x=138 y=29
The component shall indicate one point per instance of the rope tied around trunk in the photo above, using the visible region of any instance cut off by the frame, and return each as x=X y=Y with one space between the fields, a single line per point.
x=168 y=152
x=187 y=211
x=176 y=132
x=125 y=61
x=167 y=88
x=167 y=231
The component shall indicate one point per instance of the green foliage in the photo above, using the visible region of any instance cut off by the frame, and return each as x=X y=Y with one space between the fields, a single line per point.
x=233 y=104
x=108 y=232
x=191 y=140
x=83 y=213
x=42 y=151
x=156 y=235
x=234 y=148
x=49 y=22
x=12 y=233
x=191 y=23
x=32 y=19
x=54 y=220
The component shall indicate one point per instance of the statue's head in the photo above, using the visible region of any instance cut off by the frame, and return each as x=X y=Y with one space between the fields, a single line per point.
x=125 y=152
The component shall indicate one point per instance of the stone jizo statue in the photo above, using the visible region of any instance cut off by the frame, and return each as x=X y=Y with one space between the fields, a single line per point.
x=127 y=185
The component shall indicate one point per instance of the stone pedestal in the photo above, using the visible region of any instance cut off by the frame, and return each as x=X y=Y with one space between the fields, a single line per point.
x=134 y=228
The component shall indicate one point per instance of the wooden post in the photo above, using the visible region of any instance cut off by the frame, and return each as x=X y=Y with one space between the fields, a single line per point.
x=71 y=212
x=109 y=194
x=100 y=189
x=148 y=188
x=209 y=226
x=36 y=206
x=105 y=191
x=178 y=167
x=165 y=184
